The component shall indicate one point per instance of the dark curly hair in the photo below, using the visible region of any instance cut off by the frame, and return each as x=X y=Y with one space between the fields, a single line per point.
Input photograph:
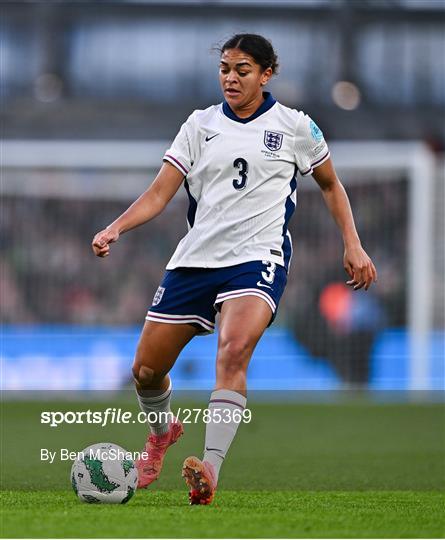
x=258 y=47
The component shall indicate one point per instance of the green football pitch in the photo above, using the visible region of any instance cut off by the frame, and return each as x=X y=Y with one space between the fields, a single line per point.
x=352 y=469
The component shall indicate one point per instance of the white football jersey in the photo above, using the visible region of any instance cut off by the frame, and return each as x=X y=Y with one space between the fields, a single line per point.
x=240 y=177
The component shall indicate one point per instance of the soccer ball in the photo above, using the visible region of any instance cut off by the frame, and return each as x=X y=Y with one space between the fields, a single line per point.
x=104 y=473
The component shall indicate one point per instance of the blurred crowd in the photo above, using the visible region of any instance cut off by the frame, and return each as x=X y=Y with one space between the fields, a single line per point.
x=50 y=275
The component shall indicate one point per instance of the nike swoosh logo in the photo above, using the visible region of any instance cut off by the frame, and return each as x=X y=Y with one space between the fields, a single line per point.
x=212 y=137
x=213 y=449
x=263 y=285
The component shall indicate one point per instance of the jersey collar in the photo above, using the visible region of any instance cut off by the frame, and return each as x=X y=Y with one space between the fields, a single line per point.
x=269 y=102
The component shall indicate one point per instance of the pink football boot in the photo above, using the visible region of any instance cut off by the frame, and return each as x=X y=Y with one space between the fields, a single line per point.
x=201 y=479
x=156 y=447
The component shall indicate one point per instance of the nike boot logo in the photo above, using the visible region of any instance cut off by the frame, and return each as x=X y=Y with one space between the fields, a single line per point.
x=212 y=137
x=263 y=285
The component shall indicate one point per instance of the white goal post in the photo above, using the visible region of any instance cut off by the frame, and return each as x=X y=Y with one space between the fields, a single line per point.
x=418 y=163
x=412 y=159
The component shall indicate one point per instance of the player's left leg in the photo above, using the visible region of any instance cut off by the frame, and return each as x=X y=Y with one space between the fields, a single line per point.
x=243 y=321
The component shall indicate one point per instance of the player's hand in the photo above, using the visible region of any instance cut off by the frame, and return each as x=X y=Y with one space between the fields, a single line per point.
x=360 y=268
x=102 y=240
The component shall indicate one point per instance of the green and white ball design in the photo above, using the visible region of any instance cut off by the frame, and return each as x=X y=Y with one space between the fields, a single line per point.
x=103 y=474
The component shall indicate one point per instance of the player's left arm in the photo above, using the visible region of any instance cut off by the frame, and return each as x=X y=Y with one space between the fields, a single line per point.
x=356 y=261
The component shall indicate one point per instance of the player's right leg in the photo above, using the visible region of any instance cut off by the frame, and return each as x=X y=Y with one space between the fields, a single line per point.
x=182 y=308
x=157 y=351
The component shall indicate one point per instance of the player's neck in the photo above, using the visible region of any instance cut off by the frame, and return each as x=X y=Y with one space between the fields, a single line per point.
x=250 y=108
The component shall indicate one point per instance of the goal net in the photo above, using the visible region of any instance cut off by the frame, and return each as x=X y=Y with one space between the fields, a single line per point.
x=56 y=195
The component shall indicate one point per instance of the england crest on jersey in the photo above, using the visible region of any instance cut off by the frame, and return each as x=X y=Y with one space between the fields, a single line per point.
x=158 y=296
x=273 y=140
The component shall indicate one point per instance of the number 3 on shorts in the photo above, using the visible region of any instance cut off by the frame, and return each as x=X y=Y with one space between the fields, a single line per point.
x=269 y=274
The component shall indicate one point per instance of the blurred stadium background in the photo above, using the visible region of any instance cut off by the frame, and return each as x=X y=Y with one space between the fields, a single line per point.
x=93 y=92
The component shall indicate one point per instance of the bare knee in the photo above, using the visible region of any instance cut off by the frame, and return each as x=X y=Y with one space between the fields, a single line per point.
x=233 y=355
x=143 y=375
x=147 y=378
x=147 y=370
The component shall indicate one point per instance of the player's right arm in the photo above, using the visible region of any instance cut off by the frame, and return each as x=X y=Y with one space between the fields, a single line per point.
x=150 y=204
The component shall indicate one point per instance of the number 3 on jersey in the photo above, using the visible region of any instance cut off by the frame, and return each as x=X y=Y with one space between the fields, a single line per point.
x=243 y=167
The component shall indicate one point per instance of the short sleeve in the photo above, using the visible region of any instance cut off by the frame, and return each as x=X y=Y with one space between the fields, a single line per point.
x=311 y=149
x=181 y=152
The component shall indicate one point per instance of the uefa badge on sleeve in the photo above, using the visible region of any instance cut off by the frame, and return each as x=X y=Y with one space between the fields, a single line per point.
x=158 y=296
x=316 y=132
x=273 y=140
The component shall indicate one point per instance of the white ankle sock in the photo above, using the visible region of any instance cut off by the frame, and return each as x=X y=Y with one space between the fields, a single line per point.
x=159 y=424
x=219 y=435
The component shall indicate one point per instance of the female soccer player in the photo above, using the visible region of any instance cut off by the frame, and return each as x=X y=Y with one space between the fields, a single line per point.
x=238 y=162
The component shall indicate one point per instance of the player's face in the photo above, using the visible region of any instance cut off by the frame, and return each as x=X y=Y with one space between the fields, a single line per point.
x=241 y=79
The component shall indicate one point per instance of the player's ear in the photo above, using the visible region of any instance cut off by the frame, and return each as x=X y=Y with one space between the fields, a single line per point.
x=266 y=75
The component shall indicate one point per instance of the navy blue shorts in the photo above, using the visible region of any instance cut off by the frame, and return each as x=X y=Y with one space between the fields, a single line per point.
x=194 y=295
